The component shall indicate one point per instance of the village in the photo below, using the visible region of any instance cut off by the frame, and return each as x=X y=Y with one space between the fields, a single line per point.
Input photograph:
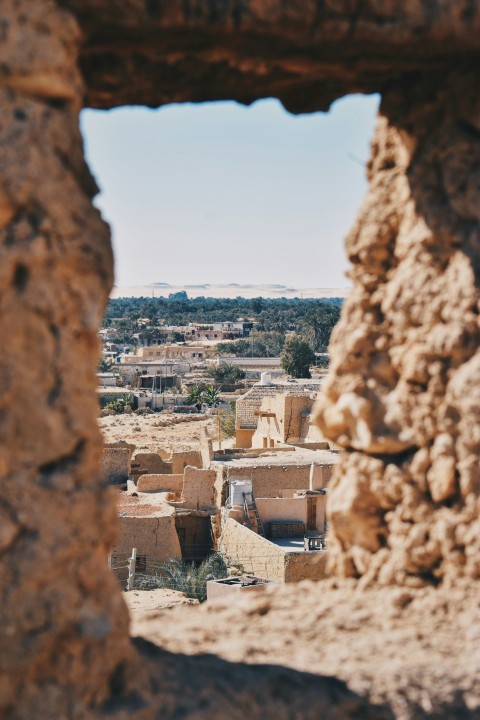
x=234 y=481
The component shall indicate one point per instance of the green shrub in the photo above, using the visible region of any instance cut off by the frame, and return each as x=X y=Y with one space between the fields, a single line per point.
x=185 y=577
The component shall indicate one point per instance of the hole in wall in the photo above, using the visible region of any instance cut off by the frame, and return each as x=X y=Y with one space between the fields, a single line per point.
x=218 y=198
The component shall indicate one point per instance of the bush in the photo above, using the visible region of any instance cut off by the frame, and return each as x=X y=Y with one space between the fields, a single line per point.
x=120 y=405
x=297 y=356
x=226 y=374
x=186 y=577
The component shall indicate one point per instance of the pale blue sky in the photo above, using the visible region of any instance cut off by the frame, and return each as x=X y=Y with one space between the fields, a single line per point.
x=221 y=193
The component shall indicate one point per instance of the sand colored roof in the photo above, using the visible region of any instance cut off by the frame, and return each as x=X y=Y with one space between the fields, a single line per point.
x=144 y=505
x=299 y=456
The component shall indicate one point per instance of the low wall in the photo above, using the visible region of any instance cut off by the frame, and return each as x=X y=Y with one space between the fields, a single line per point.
x=160 y=483
x=260 y=557
x=282 y=509
x=255 y=554
x=305 y=566
x=180 y=460
x=116 y=464
x=148 y=464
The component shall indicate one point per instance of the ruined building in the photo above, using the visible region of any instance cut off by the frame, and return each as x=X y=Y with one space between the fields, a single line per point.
x=402 y=399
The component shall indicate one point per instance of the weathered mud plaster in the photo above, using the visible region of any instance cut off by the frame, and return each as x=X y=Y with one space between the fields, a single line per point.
x=403 y=395
x=59 y=609
x=405 y=502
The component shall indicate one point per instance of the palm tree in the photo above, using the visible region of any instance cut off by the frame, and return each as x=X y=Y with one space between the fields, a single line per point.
x=211 y=396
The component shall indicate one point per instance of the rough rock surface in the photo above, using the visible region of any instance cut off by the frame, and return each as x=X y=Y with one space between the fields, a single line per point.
x=405 y=503
x=57 y=520
x=403 y=395
x=305 y=52
x=415 y=653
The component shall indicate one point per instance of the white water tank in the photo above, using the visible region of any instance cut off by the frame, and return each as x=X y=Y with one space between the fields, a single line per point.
x=236 y=490
x=265 y=378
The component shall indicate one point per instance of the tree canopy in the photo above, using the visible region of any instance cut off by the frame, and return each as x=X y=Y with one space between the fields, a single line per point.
x=297 y=357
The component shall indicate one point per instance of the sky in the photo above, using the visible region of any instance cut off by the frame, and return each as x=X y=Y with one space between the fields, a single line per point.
x=222 y=193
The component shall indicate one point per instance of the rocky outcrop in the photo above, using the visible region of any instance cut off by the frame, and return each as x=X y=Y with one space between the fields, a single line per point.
x=307 y=53
x=64 y=627
x=403 y=395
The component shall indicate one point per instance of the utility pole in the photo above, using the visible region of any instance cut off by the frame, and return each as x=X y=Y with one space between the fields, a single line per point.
x=132 y=563
x=219 y=421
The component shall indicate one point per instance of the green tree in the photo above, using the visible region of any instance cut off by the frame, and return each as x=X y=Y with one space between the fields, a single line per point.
x=105 y=365
x=210 y=396
x=227 y=420
x=297 y=356
x=226 y=373
x=195 y=395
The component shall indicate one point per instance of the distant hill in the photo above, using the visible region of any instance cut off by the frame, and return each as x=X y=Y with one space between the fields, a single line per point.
x=231 y=290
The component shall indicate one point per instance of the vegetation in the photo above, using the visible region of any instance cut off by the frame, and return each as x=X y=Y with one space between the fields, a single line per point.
x=226 y=374
x=185 y=577
x=297 y=357
x=105 y=365
x=258 y=344
x=227 y=420
x=211 y=396
x=207 y=394
x=311 y=318
x=119 y=405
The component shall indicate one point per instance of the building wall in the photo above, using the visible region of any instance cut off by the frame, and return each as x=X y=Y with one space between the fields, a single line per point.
x=180 y=460
x=149 y=464
x=250 y=403
x=259 y=556
x=172 y=351
x=116 y=464
x=199 y=488
x=291 y=423
x=160 y=483
x=244 y=437
x=282 y=509
x=268 y=481
x=154 y=537
x=255 y=554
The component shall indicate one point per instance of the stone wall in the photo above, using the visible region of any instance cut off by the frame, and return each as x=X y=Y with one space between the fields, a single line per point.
x=199 y=488
x=160 y=483
x=258 y=556
x=181 y=459
x=144 y=463
x=402 y=400
x=255 y=554
x=116 y=465
x=402 y=397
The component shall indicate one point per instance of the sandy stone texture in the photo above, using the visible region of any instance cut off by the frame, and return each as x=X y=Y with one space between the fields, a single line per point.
x=402 y=399
x=415 y=652
x=402 y=396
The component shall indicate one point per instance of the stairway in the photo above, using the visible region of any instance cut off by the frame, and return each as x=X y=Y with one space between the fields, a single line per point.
x=251 y=516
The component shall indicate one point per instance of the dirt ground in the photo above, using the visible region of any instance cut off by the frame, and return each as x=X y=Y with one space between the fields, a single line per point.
x=417 y=650
x=147 y=432
x=146 y=606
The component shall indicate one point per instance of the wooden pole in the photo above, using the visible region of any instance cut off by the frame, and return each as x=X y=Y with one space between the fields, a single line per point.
x=219 y=419
x=131 y=569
